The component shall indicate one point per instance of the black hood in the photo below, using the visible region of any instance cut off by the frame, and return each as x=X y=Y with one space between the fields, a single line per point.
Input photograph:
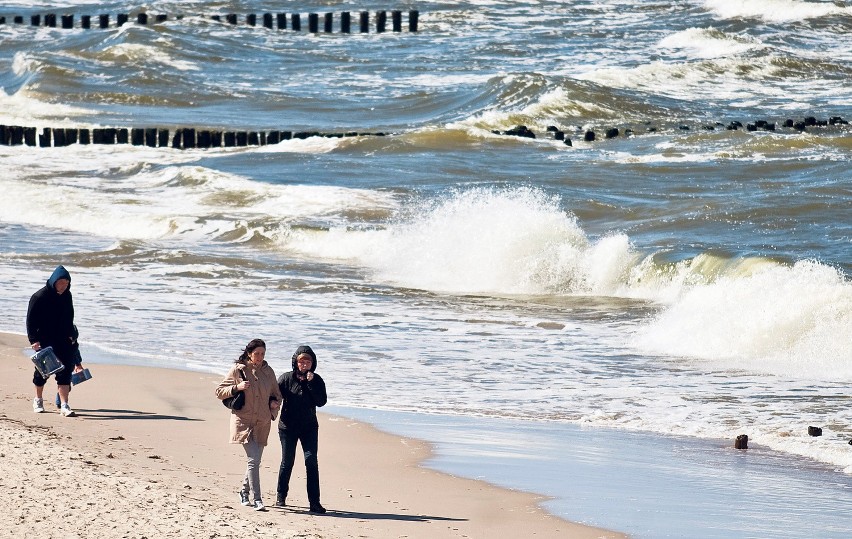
x=304 y=349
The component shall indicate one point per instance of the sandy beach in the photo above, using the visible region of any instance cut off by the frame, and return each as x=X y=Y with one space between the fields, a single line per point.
x=147 y=456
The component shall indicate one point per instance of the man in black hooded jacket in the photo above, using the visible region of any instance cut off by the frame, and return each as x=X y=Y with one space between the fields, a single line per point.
x=50 y=322
x=303 y=392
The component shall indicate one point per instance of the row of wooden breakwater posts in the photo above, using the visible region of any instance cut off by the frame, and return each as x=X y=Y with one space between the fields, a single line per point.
x=182 y=138
x=741 y=441
x=613 y=132
x=267 y=20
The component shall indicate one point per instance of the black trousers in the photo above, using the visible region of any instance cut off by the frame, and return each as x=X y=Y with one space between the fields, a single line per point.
x=309 y=439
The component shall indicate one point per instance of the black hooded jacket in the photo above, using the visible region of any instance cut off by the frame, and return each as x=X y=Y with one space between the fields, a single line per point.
x=50 y=316
x=301 y=397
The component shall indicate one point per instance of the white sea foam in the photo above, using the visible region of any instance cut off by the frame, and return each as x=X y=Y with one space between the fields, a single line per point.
x=178 y=201
x=718 y=78
x=775 y=10
x=137 y=53
x=781 y=320
x=709 y=43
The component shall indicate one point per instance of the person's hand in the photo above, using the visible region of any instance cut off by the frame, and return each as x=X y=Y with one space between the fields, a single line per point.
x=242 y=386
x=78 y=367
x=36 y=346
x=309 y=375
x=274 y=405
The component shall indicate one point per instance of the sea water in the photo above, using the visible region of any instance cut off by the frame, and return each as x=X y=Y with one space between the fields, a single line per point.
x=679 y=280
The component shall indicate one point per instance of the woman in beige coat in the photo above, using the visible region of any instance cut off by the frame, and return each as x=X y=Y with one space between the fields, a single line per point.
x=250 y=425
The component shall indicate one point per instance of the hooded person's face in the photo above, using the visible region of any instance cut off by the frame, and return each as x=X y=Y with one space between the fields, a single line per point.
x=61 y=285
x=304 y=363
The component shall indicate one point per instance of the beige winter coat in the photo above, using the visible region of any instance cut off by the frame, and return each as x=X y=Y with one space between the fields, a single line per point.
x=254 y=419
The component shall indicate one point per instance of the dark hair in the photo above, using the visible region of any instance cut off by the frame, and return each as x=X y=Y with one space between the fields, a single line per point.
x=254 y=343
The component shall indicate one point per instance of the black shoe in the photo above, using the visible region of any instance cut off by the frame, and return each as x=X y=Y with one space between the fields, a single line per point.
x=317 y=508
x=280 y=502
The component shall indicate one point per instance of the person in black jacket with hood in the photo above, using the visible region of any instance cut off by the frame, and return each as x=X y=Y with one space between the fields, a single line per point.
x=50 y=322
x=303 y=392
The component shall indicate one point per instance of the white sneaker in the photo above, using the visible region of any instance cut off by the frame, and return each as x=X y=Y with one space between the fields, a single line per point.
x=67 y=411
x=38 y=405
x=258 y=506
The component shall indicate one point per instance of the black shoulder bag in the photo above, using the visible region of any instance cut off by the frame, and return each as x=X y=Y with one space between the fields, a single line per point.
x=238 y=400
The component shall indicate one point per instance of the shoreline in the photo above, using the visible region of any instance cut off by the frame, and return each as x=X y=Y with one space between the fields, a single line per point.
x=157 y=438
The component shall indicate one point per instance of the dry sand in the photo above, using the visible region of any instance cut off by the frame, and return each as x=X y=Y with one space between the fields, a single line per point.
x=148 y=456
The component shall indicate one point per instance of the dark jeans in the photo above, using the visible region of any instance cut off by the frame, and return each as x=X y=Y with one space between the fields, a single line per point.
x=288 y=458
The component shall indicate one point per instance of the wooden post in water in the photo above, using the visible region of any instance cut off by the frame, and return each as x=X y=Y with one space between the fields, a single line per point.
x=345 y=22
x=282 y=21
x=59 y=137
x=71 y=135
x=251 y=19
x=242 y=138
x=163 y=138
x=103 y=20
x=253 y=139
x=204 y=139
x=85 y=136
x=137 y=136
x=188 y=138
x=162 y=18
x=35 y=20
x=274 y=137
x=296 y=22
x=231 y=18
x=267 y=20
x=122 y=135
x=68 y=21
x=29 y=136
x=86 y=21
x=413 y=15
x=329 y=19
x=121 y=18
x=176 y=140
x=142 y=18
x=381 y=21
x=365 y=22
x=151 y=137
x=396 y=19
x=44 y=138
x=50 y=20
x=313 y=23
x=216 y=139
x=230 y=139
x=741 y=442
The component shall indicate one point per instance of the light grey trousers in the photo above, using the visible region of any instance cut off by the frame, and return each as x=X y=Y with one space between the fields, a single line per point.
x=251 y=482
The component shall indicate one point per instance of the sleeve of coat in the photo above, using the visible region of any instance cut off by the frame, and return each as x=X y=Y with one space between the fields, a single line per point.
x=316 y=387
x=228 y=386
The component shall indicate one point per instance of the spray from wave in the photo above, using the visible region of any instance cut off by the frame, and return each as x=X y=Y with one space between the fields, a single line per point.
x=748 y=313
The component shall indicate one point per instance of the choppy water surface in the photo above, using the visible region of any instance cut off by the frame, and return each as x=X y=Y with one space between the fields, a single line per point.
x=687 y=279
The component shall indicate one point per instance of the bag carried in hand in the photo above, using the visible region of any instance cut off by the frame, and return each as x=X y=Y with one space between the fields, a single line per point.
x=46 y=362
x=238 y=400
